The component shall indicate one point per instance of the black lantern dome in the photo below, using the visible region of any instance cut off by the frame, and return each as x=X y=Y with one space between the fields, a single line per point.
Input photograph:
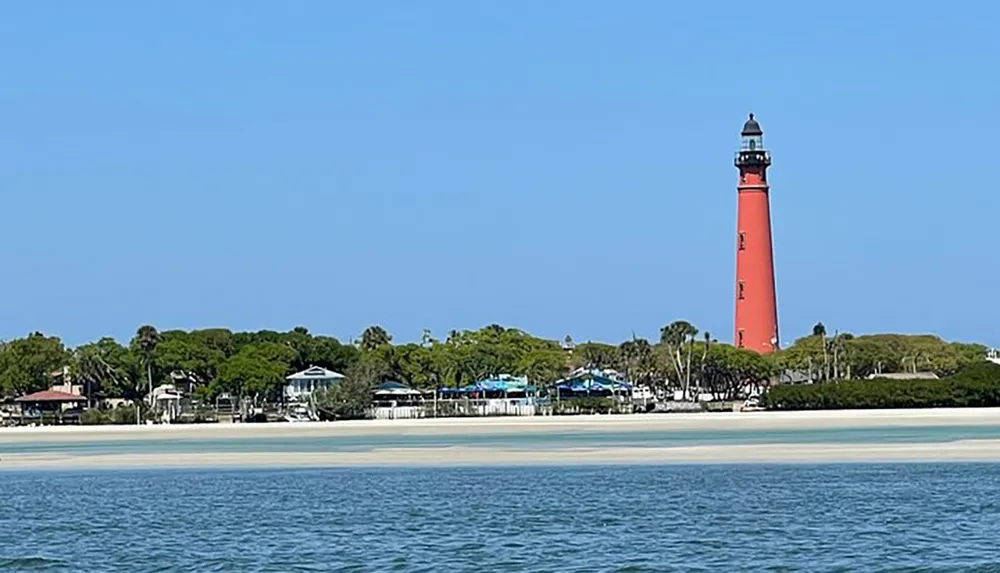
x=751 y=127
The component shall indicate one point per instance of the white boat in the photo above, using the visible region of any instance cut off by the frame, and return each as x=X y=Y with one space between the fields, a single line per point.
x=299 y=414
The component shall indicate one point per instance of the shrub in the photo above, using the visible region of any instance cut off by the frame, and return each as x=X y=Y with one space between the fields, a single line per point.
x=586 y=405
x=977 y=385
x=96 y=417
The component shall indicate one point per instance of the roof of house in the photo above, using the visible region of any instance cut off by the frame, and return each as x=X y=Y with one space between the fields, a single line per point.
x=500 y=383
x=392 y=388
x=315 y=372
x=51 y=396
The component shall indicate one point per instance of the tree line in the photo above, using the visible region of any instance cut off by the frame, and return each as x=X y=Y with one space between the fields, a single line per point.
x=254 y=364
x=843 y=356
x=976 y=385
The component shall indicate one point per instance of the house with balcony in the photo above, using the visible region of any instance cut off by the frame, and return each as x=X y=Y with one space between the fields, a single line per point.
x=299 y=387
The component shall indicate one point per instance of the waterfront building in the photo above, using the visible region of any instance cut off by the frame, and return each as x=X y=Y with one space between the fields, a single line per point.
x=301 y=385
x=50 y=406
x=592 y=382
x=393 y=400
x=500 y=386
x=501 y=395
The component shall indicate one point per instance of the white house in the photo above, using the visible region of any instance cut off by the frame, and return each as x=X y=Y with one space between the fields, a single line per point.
x=301 y=385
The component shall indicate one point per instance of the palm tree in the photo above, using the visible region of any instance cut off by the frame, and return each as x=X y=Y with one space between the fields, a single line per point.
x=427 y=339
x=636 y=357
x=147 y=338
x=96 y=373
x=704 y=359
x=819 y=329
x=675 y=337
x=374 y=337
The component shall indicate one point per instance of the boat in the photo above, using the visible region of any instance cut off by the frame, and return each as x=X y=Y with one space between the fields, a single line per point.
x=299 y=413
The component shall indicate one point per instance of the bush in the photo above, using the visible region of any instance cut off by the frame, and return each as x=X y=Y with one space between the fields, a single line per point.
x=349 y=399
x=96 y=417
x=585 y=405
x=977 y=385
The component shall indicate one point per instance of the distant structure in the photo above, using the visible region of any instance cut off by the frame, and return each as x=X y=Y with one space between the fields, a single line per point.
x=300 y=386
x=756 y=303
x=904 y=376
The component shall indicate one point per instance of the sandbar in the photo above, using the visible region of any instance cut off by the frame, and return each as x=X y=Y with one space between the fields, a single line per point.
x=962 y=451
x=23 y=458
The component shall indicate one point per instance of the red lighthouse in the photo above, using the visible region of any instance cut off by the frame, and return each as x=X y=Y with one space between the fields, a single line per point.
x=756 y=304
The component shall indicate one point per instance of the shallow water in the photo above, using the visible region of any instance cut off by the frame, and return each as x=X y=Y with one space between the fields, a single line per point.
x=847 y=517
x=554 y=439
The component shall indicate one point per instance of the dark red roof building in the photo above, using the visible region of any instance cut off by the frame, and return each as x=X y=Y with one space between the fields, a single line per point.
x=50 y=396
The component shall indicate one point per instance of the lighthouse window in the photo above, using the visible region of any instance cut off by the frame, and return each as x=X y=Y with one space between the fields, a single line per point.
x=743 y=242
x=739 y=291
x=739 y=339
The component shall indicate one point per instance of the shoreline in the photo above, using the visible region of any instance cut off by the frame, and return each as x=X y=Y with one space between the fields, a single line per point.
x=797 y=420
x=981 y=446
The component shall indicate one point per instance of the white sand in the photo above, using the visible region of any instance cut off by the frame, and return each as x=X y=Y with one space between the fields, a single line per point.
x=954 y=451
x=971 y=450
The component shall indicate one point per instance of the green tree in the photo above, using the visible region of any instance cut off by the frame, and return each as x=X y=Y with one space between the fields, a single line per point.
x=351 y=398
x=323 y=351
x=412 y=364
x=444 y=366
x=848 y=356
x=426 y=339
x=257 y=370
x=145 y=342
x=191 y=354
x=595 y=355
x=373 y=337
x=729 y=372
x=678 y=338
x=637 y=361
x=106 y=368
x=819 y=329
x=542 y=366
x=26 y=364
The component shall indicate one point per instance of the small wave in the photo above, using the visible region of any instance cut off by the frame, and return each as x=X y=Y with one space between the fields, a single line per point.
x=39 y=563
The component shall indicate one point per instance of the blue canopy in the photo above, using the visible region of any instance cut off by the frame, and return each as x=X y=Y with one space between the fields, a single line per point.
x=505 y=384
x=592 y=381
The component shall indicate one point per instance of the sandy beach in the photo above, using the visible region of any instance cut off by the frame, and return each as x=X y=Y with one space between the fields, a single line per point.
x=22 y=457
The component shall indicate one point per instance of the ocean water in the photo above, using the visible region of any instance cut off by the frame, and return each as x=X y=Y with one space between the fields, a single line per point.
x=837 y=517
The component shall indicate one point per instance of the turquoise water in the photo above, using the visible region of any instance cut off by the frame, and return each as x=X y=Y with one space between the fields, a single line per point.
x=551 y=439
x=823 y=518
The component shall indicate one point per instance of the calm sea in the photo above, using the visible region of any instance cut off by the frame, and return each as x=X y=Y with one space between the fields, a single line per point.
x=849 y=517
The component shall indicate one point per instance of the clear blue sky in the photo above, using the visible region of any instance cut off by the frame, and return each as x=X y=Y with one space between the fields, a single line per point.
x=560 y=166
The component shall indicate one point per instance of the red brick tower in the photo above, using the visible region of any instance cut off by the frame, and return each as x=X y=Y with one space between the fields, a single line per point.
x=756 y=304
